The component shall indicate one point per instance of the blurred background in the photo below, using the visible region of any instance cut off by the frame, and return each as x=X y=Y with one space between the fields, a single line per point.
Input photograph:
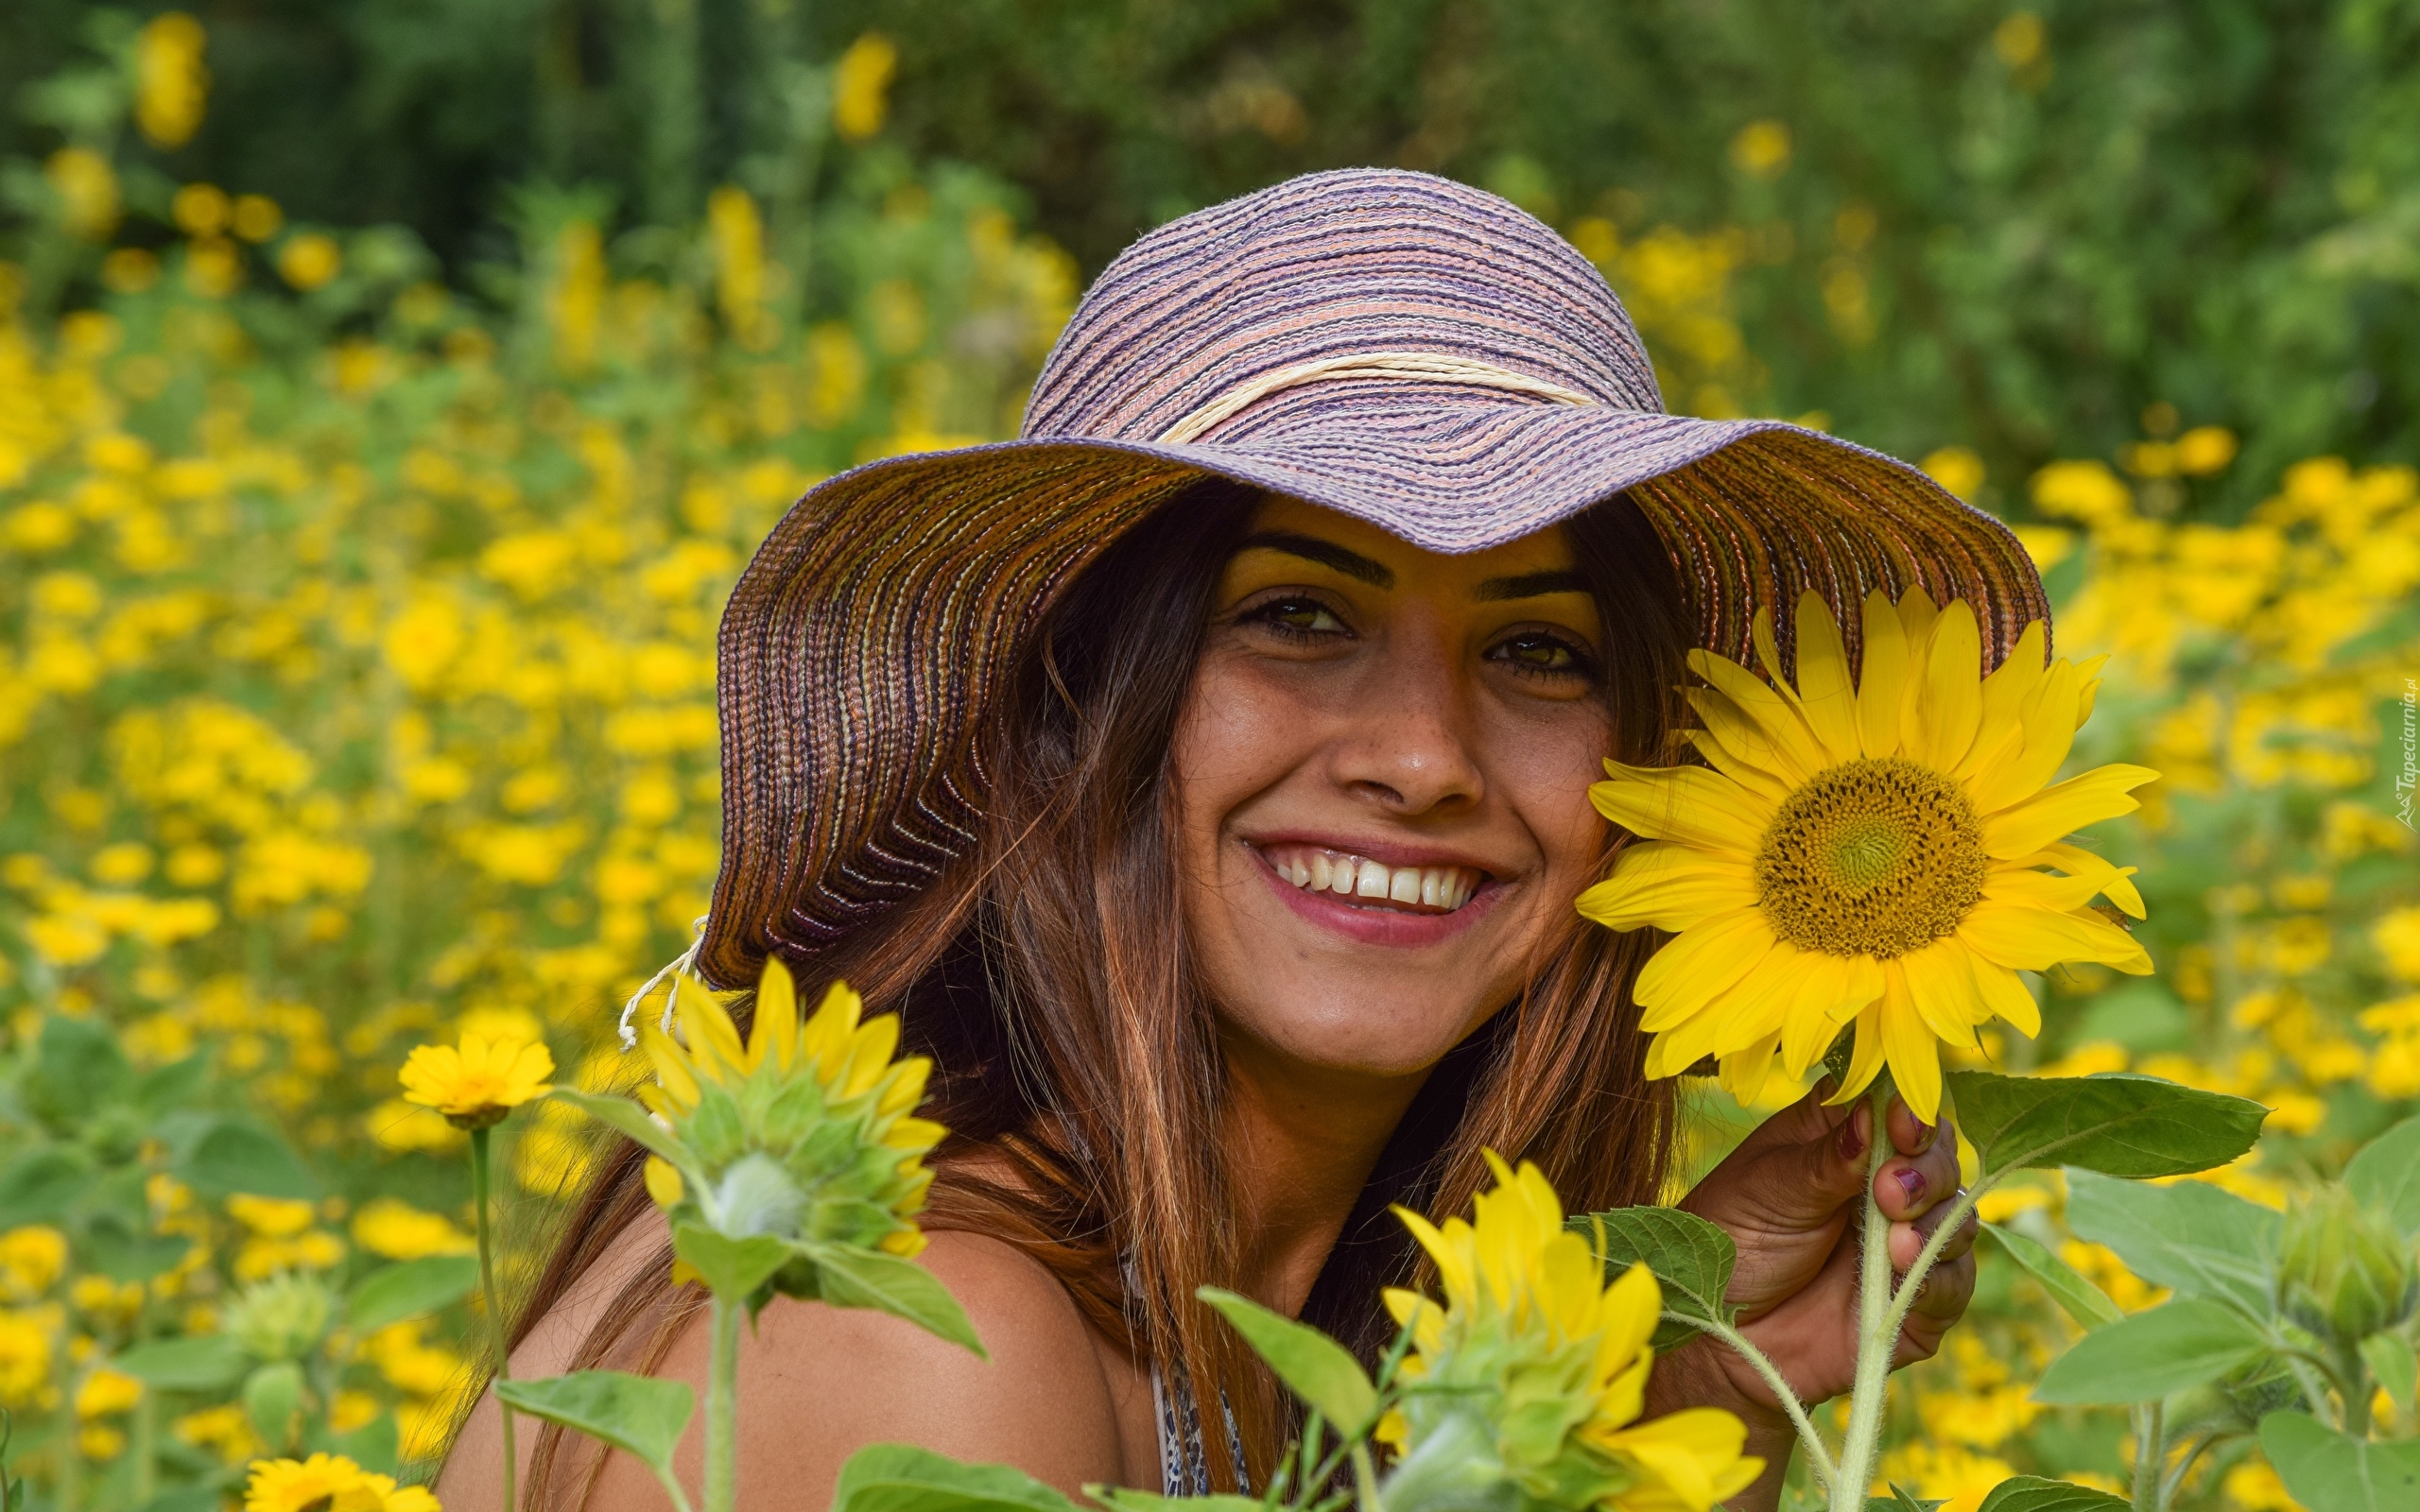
x=390 y=391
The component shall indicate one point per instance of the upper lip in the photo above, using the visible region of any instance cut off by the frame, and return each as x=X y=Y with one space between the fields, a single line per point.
x=1388 y=853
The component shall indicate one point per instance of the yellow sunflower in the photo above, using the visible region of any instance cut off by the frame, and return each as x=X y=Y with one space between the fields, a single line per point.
x=1877 y=853
x=775 y=1095
x=1533 y=1338
x=477 y=1084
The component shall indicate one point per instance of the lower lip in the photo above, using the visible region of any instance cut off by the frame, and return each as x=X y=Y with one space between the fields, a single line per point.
x=1390 y=927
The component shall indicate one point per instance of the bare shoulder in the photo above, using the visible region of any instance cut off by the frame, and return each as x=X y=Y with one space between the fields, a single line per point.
x=816 y=1383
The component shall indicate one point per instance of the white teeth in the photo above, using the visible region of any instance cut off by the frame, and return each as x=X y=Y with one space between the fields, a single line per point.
x=1442 y=888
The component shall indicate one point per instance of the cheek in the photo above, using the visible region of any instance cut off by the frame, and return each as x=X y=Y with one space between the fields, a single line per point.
x=1235 y=736
x=1542 y=767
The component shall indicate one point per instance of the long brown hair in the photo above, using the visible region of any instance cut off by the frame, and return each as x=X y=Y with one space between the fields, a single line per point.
x=1077 y=1062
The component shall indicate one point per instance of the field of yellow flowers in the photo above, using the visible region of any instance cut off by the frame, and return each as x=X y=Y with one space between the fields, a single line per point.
x=356 y=690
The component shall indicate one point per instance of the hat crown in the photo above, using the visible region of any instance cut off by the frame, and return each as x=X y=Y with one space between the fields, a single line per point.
x=1315 y=273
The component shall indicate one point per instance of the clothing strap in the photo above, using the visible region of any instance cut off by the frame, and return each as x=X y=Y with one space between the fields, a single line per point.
x=1419 y=367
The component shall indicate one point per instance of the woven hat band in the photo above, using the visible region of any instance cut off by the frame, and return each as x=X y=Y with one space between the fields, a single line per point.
x=1418 y=366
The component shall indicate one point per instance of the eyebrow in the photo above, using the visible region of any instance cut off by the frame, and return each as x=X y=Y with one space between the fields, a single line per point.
x=1532 y=585
x=1326 y=552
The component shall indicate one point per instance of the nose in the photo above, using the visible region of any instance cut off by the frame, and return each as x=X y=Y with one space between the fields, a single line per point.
x=1408 y=747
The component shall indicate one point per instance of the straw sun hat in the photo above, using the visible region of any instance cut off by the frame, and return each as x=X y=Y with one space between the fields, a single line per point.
x=1400 y=348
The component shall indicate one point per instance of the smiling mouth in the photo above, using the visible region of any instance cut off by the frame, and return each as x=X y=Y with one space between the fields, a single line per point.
x=1373 y=885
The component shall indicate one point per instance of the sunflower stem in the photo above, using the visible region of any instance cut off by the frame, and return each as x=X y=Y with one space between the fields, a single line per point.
x=1878 y=1321
x=479 y=1169
x=1819 y=1456
x=723 y=1402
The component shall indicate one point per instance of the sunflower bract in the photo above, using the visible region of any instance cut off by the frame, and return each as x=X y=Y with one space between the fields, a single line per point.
x=803 y=1132
x=1524 y=1386
x=1884 y=853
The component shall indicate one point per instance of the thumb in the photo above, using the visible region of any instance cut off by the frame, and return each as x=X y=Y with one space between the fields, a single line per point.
x=1795 y=1171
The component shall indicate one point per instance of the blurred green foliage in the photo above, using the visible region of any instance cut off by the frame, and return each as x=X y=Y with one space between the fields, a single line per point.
x=2016 y=228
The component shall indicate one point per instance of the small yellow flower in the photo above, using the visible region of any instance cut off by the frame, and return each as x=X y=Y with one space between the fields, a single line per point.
x=106 y=1391
x=329 y=1483
x=479 y=1083
x=395 y=1229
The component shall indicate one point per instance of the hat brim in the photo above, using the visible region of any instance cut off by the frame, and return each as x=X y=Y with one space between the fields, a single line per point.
x=870 y=639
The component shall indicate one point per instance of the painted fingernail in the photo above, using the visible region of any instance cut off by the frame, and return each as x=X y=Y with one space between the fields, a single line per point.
x=1925 y=1134
x=1852 y=1136
x=1911 y=1182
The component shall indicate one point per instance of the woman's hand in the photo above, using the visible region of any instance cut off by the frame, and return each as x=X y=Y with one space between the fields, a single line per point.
x=1789 y=1198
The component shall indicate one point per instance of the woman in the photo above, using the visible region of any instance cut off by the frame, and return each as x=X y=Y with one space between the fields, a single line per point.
x=1202 y=778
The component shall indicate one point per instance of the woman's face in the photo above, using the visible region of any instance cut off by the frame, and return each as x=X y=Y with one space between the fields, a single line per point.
x=1381 y=782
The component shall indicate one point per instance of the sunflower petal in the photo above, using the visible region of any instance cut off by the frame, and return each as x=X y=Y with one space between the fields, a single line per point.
x=2078 y=862
x=1744 y=1073
x=2007 y=690
x=2006 y=995
x=1741 y=749
x=2100 y=794
x=2018 y=771
x=707 y=1026
x=1776 y=715
x=774 y=1035
x=2036 y=939
x=2040 y=889
x=1810 y=1028
x=1865 y=1049
x=1683 y=803
x=1952 y=698
x=1910 y=1047
x=1943 y=990
x=1882 y=677
x=1686 y=974
x=1826 y=696
x=1668 y=886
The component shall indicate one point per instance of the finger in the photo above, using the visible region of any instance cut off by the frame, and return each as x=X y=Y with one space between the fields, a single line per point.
x=1911 y=1135
x=1909 y=1239
x=1791 y=1178
x=1908 y=1186
x=1937 y=1306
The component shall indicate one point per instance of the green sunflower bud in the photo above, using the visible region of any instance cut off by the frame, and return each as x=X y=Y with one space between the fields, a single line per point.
x=282 y=1318
x=2344 y=1272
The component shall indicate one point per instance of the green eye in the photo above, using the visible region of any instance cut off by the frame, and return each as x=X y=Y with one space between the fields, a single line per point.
x=1534 y=654
x=1300 y=616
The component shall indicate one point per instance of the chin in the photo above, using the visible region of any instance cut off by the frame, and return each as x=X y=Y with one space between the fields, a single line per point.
x=1357 y=1030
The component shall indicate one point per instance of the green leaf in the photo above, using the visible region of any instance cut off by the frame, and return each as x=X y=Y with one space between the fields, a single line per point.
x=902 y=1478
x=1125 y=1499
x=2116 y=1123
x=732 y=1268
x=851 y=1276
x=42 y=1186
x=2385 y=1175
x=274 y=1398
x=376 y=1446
x=630 y=1118
x=1320 y=1371
x=208 y=1361
x=174 y=1085
x=1901 y=1500
x=1691 y=1260
x=639 y=1414
x=78 y=1067
x=234 y=1157
x=120 y=1251
x=2389 y=1359
x=2146 y=1357
x=410 y=1288
x=2031 y=1493
x=2069 y=1287
x=2328 y=1471
x=2192 y=1238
